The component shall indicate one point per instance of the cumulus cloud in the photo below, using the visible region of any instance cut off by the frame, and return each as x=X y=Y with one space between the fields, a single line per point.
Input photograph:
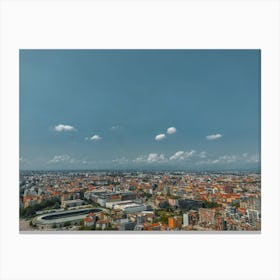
x=214 y=136
x=60 y=158
x=155 y=158
x=64 y=127
x=171 y=130
x=160 y=137
x=181 y=155
x=177 y=155
x=151 y=158
x=94 y=138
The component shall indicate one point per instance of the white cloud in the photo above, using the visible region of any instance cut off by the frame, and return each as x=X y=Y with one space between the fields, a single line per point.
x=93 y=138
x=151 y=158
x=181 y=155
x=226 y=159
x=202 y=154
x=177 y=155
x=60 y=158
x=229 y=159
x=189 y=154
x=64 y=127
x=171 y=130
x=121 y=160
x=116 y=127
x=156 y=158
x=160 y=137
x=66 y=159
x=141 y=158
x=253 y=159
x=214 y=136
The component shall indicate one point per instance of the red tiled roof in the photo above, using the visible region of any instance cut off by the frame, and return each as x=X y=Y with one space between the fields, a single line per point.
x=88 y=219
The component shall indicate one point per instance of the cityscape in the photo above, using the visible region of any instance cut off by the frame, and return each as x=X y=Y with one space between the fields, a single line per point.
x=140 y=141
x=140 y=201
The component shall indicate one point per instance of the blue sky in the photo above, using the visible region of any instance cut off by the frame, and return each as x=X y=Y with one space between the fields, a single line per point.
x=99 y=109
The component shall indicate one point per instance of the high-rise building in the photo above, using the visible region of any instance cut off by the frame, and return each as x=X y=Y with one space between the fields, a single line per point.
x=185 y=219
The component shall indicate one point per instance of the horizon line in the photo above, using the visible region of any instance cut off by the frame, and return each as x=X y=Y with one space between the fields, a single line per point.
x=141 y=170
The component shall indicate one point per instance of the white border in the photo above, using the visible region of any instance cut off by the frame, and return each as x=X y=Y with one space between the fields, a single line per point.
x=135 y=24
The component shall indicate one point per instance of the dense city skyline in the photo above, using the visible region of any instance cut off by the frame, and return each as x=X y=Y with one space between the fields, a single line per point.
x=139 y=201
x=140 y=109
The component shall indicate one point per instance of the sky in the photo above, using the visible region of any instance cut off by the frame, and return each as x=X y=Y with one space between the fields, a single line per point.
x=140 y=109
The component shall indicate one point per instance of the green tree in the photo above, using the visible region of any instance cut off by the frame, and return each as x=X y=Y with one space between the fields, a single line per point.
x=30 y=211
x=210 y=204
x=82 y=192
x=67 y=224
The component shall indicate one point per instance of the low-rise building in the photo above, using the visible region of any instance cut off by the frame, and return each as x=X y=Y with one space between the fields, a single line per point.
x=152 y=226
x=72 y=203
x=88 y=221
x=101 y=224
x=175 y=222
